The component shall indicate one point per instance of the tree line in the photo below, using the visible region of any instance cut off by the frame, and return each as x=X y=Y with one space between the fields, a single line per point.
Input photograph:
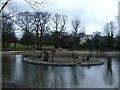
x=42 y=28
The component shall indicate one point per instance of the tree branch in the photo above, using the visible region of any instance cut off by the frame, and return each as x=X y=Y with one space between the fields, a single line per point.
x=4 y=5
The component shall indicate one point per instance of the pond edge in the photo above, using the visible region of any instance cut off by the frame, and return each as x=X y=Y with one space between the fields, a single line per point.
x=26 y=60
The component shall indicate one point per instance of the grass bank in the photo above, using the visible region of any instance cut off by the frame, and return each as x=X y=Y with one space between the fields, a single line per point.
x=68 y=52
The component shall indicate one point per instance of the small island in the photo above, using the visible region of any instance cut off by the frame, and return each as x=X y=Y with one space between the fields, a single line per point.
x=53 y=59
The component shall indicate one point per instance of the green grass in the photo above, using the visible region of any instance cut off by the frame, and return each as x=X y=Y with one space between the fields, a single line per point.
x=48 y=46
x=19 y=46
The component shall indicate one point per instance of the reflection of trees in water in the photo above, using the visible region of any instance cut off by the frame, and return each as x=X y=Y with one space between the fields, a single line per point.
x=50 y=77
x=109 y=66
x=33 y=75
x=58 y=78
x=7 y=67
x=77 y=75
x=60 y=75
x=25 y=72
x=108 y=78
x=87 y=67
x=74 y=77
x=81 y=73
x=53 y=77
x=43 y=75
x=12 y=68
x=37 y=76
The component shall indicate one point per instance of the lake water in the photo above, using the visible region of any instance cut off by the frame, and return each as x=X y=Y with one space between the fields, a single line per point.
x=104 y=76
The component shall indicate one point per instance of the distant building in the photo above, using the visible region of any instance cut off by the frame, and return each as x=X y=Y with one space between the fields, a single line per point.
x=85 y=38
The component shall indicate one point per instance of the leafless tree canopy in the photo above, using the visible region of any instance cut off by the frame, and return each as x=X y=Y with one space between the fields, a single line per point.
x=23 y=19
x=3 y=6
x=59 y=22
x=76 y=25
x=110 y=28
x=40 y=20
x=63 y=22
x=56 y=21
x=33 y=4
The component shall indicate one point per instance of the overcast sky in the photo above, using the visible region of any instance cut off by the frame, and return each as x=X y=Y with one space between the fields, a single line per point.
x=93 y=13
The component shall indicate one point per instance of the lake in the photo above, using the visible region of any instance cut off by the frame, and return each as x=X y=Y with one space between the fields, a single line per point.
x=104 y=76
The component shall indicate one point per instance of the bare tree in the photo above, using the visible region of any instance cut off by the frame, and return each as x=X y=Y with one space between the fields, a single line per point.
x=76 y=25
x=59 y=23
x=63 y=23
x=33 y=4
x=8 y=32
x=24 y=21
x=109 y=30
x=40 y=20
x=56 y=21
x=3 y=6
x=12 y=11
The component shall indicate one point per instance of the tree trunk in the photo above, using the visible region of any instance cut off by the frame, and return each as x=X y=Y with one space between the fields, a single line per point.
x=15 y=46
x=3 y=44
x=41 y=38
x=110 y=42
x=27 y=46
x=38 y=46
x=37 y=37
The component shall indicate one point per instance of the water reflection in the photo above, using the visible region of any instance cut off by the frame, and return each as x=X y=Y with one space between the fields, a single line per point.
x=111 y=75
x=60 y=77
x=7 y=67
x=109 y=66
x=17 y=70
x=77 y=76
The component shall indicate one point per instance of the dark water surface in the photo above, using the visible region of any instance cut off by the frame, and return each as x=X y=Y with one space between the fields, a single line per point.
x=104 y=76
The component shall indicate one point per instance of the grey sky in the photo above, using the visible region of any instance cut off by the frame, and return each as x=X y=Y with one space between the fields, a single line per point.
x=92 y=13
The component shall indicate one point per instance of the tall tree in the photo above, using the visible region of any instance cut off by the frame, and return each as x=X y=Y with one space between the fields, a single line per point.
x=63 y=23
x=59 y=23
x=76 y=26
x=25 y=23
x=56 y=21
x=40 y=20
x=8 y=33
x=24 y=20
x=109 y=30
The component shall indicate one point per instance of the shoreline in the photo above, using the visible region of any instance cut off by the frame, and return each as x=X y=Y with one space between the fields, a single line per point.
x=65 y=52
x=64 y=62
